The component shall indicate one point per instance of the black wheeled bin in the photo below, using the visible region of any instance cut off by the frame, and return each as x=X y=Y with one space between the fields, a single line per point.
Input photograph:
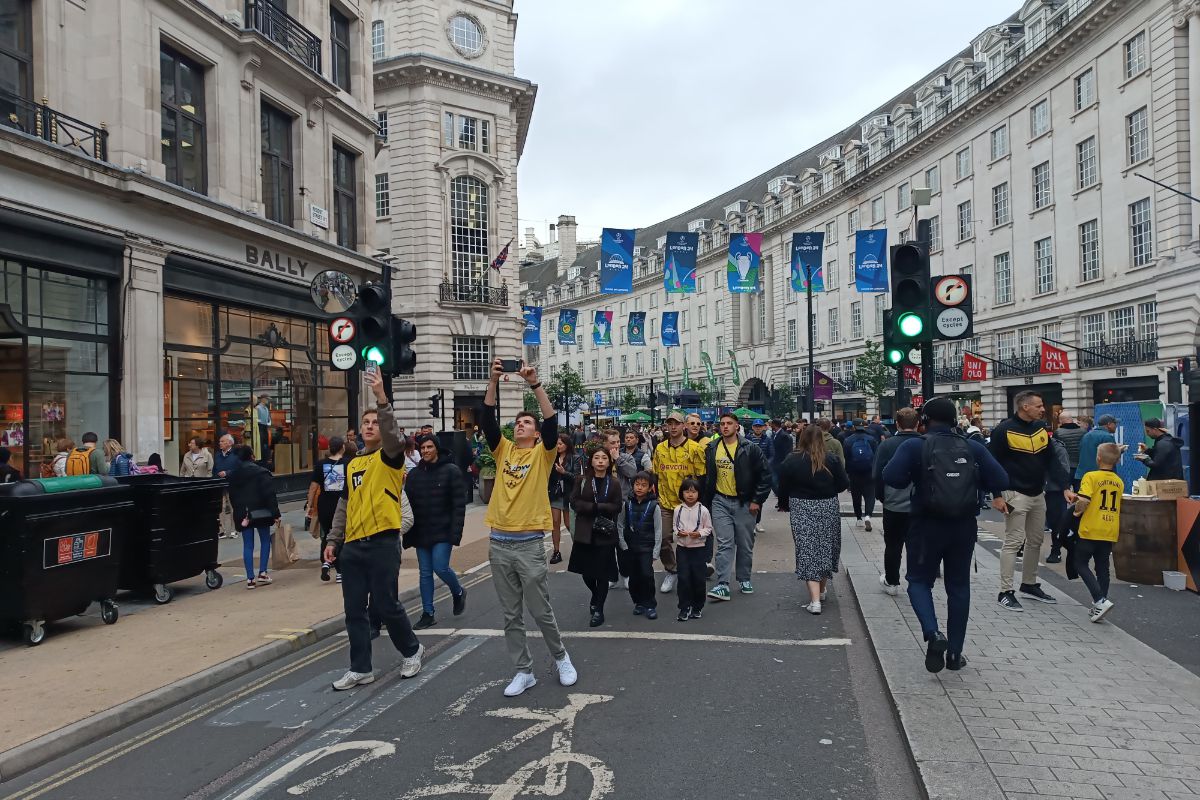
x=175 y=535
x=60 y=549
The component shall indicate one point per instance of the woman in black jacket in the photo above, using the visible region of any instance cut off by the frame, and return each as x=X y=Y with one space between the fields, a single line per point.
x=252 y=495
x=438 y=505
x=597 y=496
x=562 y=483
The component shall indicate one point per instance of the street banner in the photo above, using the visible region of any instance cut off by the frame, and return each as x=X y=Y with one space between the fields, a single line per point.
x=568 y=320
x=974 y=368
x=685 y=372
x=737 y=373
x=616 y=261
x=806 y=261
x=912 y=373
x=708 y=369
x=1054 y=360
x=602 y=328
x=533 y=324
x=679 y=269
x=870 y=261
x=745 y=256
x=637 y=328
x=670 y=329
x=824 y=386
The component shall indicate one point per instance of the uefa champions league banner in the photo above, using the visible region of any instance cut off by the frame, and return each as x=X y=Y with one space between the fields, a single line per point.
x=533 y=324
x=637 y=328
x=670 y=329
x=568 y=320
x=616 y=261
x=745 y=256
x=806 y=261
x=602 y=328
x=870 y=261
x=679 y=269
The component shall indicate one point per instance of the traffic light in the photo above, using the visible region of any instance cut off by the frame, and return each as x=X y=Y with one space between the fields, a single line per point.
x=435 y=405
x=404 y=333
x=374 y=319
x=894 y=354
x=911 y=323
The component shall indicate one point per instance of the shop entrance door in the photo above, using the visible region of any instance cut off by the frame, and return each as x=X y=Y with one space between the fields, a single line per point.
x=13 y=396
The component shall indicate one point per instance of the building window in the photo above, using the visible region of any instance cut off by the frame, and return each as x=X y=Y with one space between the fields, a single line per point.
x=935 y=234
x=903 y=197
x=383 y=199
x=653 y=364
x=831 y=231
x=720 y=349
x=467 y=133
x=624 y=365
x=1148 y=320
x=1029 y=339
x=792 y=344
x=760 y=300
x=378 y=43
x=1041 y=185
x=831 y=273
x=381 y=121
x=1002 y=266
x=469 y=232
x=276 y=164
x=856 y=325
x=1006 y=345
x=1121 y=324
x=596 y=368
x=16 y=52
x=1043 y=264
x=466 y=36
x=1135 y=55
x=877 y=210
x=717 y=311
x=345 y=197
x=1085 y=161
x=1085 y=89
x=683 y=320
x=1140 y=234
x=852 y=222
x=964 y=221
x=339 y=43
x=1137 y=135
x=1001 y=212
x=850 y=269
x=1092 y=327
x=933 y=179
x=1000 y=142
x=181 y=83
x=880 y=301
x=1089 y=250
x=472 y=358
x=1039 y=118
x=812 y=330
x=962 y=163
x=834 y=326
x=608 y=367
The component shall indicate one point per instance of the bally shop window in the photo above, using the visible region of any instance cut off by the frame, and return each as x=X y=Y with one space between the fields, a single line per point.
x=220 y=362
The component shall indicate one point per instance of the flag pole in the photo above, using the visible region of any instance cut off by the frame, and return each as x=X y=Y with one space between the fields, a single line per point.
x=810 y=405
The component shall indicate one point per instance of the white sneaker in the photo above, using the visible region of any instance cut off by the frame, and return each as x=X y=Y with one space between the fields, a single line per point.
x=1100 y=609
x=412 y=665
x=352 y=679
x=814 y=608
x=522 y=681
x=824 y=594
x=887 y=587
x=759 y=528
x=668 y=584
x=625 y=582
x=567 y=675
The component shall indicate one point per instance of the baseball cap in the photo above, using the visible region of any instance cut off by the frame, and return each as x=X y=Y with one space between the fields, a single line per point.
x=1155 y=423
x=860 y=423
x=940 y=409
x=758 y=423
x=1107 y=419
x=675 y=416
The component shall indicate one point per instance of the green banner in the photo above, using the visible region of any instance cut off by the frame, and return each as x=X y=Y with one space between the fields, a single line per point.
x=737 y=373
x=708 y=369
x=685 y=371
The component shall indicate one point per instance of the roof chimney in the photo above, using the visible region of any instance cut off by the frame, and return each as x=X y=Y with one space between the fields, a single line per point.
x=567 y=249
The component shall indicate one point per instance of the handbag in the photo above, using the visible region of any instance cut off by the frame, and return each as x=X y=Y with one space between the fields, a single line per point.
x=603 y=526
x=260 y=516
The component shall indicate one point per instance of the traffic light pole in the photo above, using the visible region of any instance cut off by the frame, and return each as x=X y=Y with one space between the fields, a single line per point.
x=926 y=370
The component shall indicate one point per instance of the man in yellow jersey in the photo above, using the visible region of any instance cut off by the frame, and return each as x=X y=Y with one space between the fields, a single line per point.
x=1098 y=506
x=366 y=527
x=675 y=458
x=518 y=517
x=736 y=483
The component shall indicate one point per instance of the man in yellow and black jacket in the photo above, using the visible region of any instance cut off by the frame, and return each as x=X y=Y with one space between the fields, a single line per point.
x=366 y=527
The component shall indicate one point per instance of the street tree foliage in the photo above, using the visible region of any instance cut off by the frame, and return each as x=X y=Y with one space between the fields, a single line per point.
x=875 y=378
x=566 y=386
x=704 y=390
x=782 y=402
x=532 y=405
x=629 y=401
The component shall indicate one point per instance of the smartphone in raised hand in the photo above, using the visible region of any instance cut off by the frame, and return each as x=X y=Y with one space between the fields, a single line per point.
x=371 y=367
x=510 y=364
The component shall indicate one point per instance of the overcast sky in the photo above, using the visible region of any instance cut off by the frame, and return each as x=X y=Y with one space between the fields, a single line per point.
x=646 y=108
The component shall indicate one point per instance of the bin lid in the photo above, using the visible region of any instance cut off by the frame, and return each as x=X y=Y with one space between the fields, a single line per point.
x=71 y=483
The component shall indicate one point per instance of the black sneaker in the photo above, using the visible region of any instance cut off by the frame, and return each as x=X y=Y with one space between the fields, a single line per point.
x=935 y=653
x=955 y=661
x=1009 y=600
x=1053 y=558
x=696 y=614
x=460 y=602
x=325 y=570
x=638 y=610
x=597 y=619
x=556 y=557
x=426 y=621
x=375 y=632
x=684 y=613
x=651 y=613
x=1034 y=590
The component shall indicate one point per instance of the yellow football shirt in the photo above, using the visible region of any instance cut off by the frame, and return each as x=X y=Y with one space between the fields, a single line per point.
x=672 y=465
x=726 y=482
x=520 y=498
x=1101 y=520
x=373 y=489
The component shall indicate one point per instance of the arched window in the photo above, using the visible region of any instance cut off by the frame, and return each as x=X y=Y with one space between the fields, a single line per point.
x=469 y=232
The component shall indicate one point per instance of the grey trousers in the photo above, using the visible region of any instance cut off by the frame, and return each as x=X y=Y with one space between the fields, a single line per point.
x=733 y=526
x=1025 y=525
x=519 y=572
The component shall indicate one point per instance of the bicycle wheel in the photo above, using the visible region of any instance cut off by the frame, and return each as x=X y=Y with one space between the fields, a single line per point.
x=555 y=783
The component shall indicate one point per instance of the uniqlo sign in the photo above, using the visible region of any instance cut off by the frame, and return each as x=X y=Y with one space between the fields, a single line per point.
x=974 y=369
x=1054 y=360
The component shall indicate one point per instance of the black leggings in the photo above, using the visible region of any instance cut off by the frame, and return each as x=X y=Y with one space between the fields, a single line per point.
x=599 y=589
x=1085 y=551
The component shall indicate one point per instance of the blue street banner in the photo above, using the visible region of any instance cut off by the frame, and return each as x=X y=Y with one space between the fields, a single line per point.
x=568 y=320
x=745 y=257
x=670 y=329
x=616 y=261
x=533 y=324
x=602 y=328
x=679 y=269
x=806 y=261
x=637 y=328
x=870 y=261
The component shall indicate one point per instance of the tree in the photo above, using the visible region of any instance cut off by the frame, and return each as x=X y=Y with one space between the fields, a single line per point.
x=875 y=378
x=629 y=401
x=703 y=389
x=532 y=405
x=566 y=388
x=782 y=402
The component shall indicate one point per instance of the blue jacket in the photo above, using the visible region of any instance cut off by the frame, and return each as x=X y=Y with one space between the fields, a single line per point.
x=906 y=467
x=227 y=463
x=1087 y=449
x=765 y=443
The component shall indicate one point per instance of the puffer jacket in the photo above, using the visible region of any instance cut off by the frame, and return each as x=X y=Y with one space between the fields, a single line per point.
x=252 y=490
x=438 y=502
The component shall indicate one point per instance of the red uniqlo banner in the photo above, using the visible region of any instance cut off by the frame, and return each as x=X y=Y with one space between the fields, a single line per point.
x=912 y=373
x=974 y=369
x=1054 y=361
x=918 y=401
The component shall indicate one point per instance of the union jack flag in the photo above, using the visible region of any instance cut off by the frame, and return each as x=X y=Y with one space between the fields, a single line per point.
x=498 y=262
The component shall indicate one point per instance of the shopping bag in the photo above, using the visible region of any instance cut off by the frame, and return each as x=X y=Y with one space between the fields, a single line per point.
x=314 y=527
x=283 y=547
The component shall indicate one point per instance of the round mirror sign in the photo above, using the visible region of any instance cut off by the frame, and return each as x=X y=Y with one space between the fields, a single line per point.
x=333 y=291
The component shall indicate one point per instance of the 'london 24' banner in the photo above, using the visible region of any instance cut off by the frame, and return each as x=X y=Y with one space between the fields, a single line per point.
x=679 y=269
x=637 y=328
x=616 y=261
x=533 y=324
x=602 y=328
x=745 y=255
x=568 y=320
x=806 y=261
x=670 y=329
x=870 y=261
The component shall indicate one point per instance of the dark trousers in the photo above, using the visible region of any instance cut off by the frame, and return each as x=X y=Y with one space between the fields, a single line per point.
x=862 y=489
x=1056 y=506
x=950 y=543
x=641 y=578
x=895 y=531
x=370 y=569
x=1087 y=550
x=692 y=573
x=599 y=589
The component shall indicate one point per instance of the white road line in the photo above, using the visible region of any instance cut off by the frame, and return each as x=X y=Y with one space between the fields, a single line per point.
x=476 y=568
x=648 y=636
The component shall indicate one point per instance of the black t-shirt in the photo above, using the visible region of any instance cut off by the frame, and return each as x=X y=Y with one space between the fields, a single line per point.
x=9 y=474
x=330 y=475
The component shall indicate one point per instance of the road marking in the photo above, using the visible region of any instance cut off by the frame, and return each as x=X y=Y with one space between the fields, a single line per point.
x=477 y=567
x=495 y=633
x=296 y=630
x=291 y=637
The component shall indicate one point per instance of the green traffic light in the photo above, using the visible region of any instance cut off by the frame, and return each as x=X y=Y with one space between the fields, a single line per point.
x=910 y=325
x=895 y=356
x=373 y=353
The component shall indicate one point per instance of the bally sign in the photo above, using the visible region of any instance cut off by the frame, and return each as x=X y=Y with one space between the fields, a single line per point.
x=1054 y=361
x=276 y=261
x=974 y=368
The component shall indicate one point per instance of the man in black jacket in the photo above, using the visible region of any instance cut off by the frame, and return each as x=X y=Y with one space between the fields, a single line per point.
x=1070 y=433
x=435 y=495
x=737 y=481
x=1163 y=459
x=782 y=446
x=897 y=501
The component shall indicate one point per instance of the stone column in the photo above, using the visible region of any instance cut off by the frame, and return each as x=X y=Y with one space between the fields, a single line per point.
x=142 y=349
x=1188 y=13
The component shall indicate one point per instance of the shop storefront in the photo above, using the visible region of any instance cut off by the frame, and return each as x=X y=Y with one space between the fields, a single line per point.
x=1126 y=390
x=1051 y=394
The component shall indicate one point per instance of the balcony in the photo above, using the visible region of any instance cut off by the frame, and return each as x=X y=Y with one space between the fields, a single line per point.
x=1130 y=351
x=275 y=25
x=473 y=293
x=947 y=374
x=1013 y=366
x=38 y=119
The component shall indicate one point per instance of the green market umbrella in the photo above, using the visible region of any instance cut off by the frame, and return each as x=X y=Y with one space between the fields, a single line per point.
x=636 y=416
x=745 y=413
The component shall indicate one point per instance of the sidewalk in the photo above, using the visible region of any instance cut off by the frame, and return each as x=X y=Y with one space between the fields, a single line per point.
x=1049 y=705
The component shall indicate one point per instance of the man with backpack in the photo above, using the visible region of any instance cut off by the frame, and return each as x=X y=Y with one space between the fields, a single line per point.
x=86 y=460
x=860 y=449
x=945 y=471
x=897 y=503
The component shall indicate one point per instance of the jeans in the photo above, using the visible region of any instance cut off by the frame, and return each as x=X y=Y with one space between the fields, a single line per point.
x=949 y=542
x=895 y=531
x=733 y=526
x=431 y=561
x=862 y=488
x=1024 y=525
x=692 y=569
x=1056 y=506
x=641 y=579
x=370 y=569
x=519 y=572
x=264 y=557
x=1085 y=551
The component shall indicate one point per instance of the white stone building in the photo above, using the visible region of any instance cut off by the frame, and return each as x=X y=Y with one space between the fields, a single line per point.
x=1034 y=140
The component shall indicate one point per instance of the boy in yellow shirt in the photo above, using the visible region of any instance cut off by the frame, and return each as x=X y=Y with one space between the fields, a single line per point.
x=1098 y=508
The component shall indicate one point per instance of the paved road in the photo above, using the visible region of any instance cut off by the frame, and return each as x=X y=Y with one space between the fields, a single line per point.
x=757 y=699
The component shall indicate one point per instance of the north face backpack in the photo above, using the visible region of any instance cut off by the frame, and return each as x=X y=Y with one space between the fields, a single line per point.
x=951 y=477
x=861 y=457
x=79 y=462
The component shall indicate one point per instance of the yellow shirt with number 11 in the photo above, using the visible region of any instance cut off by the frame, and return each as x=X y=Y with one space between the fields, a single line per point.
x=1101 y=520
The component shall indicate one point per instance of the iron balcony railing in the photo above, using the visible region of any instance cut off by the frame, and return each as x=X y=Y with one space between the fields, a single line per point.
x=1130 y=351
x=1016 y=366
x=946 y=374
x=480 y=294
x=42 y=121
x=275 y=25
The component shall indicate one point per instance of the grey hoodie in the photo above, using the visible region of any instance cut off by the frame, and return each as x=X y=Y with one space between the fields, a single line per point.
x=898 y=500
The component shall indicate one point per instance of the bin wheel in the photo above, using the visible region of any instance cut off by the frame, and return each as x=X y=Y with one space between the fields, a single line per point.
x=34 y=633
x=163 y=593
x=213 y=579
x=108 y=611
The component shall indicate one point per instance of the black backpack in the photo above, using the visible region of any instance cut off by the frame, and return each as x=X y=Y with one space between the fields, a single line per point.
x=950 y=487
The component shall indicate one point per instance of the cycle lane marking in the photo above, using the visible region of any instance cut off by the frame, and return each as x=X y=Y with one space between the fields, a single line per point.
x=664 y=636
